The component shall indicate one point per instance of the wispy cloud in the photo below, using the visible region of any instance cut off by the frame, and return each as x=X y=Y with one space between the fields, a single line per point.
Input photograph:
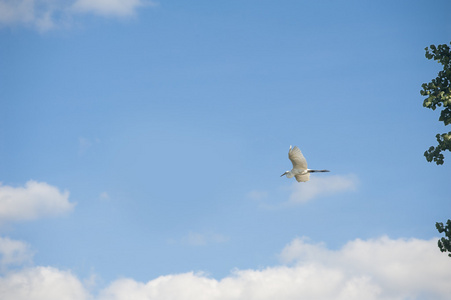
x=34 y=200
x=48 y=14
x=104 y=196
x=14 y=253
x=84 y=144
x=119 y=8
x=302 y=192
x=201 y=239
x=16 y=11
x=35 y=13
x=322 y=186
x=257 y=195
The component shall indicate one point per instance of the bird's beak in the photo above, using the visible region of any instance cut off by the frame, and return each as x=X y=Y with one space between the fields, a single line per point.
x=283 y=174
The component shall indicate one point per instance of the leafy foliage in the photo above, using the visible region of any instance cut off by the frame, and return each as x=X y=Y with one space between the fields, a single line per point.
x=445 y=242
x=438 y=93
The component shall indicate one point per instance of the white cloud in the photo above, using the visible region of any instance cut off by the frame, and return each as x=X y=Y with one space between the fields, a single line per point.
x=181 y=286
x=299 y=249
x=322 y=186
x=41 y=283
x=375 y=269
x=47 y=14
x=35 y=200
x=13 y=253
x=402 y=268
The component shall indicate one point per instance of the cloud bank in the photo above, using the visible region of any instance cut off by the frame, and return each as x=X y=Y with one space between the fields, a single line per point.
x=375 y=269
x=380 y=268
x=35 y=200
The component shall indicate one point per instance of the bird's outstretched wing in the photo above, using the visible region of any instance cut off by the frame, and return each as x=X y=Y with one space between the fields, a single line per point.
x=303 y=178
x=297 y=159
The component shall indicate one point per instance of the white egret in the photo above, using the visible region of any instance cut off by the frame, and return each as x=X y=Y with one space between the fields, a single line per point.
x=300 y=170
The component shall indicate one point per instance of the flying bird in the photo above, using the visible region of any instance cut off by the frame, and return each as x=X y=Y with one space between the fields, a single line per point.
x=300 y=170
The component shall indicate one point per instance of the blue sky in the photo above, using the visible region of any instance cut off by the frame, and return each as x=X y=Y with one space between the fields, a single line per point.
x=145 y=139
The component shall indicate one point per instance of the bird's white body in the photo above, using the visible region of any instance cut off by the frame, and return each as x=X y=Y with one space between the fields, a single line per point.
x=300 y=170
